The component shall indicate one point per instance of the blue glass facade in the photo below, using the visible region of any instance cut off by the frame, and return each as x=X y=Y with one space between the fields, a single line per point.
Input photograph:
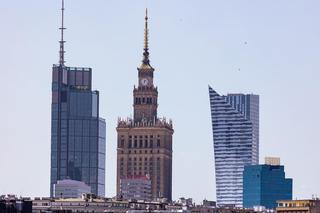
x=263 y=185
x=78 y=144
x=235 y=127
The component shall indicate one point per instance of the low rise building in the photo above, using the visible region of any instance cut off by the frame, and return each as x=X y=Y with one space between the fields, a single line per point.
x=91 y=203
x=70 y=189
x=186 y=201
x=298 y=206
x=209 y=203
x=12 y=204
x=136 y=187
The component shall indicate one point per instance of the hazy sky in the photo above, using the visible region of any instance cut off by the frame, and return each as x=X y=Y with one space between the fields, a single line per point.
x=270 y=48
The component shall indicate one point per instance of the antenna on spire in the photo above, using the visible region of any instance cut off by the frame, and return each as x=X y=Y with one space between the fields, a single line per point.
x=62 y=28
x=145 y=60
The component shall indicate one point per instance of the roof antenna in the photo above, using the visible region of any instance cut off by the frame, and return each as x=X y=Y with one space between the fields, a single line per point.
x=62 y=28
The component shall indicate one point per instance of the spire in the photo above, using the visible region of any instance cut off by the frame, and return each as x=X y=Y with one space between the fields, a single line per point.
x=146 y=61
x=62 y=28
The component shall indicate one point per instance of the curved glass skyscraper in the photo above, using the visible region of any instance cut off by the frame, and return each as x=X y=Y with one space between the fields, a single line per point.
x=235 y=127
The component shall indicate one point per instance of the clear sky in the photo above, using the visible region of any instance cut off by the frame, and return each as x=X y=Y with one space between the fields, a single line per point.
x=269 y=47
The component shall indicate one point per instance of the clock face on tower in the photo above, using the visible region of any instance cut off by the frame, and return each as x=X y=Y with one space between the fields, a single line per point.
x=144 y=81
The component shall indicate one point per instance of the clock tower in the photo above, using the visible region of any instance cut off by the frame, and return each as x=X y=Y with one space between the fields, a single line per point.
x=146 y=94
x=145 y=141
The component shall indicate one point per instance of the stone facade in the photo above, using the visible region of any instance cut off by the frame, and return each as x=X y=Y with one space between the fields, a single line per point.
x=145 y=142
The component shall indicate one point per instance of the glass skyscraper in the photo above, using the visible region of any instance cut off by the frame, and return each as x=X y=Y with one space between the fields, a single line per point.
x=264 y=184
x=78 y=144
x=235 y=127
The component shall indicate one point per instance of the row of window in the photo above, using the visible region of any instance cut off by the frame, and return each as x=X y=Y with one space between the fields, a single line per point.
x=140 y=152
x=147 y=100
x=140 y=172
x=140 y=136
x=139 y=144
x=130 y=168
x=140 y=159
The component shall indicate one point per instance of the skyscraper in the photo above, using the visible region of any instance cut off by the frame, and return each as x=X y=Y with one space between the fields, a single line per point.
x=264 y=184
x=145 y=142
x=235 y=127
x=77 y=132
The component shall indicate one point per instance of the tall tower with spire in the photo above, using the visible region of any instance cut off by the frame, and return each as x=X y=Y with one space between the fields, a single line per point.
x=77 y=132
x=145 y=141
x=146 y=95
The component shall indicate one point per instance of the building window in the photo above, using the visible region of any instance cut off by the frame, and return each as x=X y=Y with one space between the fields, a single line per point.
x=63 y=96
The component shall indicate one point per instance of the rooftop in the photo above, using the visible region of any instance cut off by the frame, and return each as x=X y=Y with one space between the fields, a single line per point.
x=158 y=123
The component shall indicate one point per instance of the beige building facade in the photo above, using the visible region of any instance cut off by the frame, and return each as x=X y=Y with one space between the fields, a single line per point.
x=298 y=206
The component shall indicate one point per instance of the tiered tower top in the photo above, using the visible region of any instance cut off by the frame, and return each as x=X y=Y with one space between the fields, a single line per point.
x=145 y=95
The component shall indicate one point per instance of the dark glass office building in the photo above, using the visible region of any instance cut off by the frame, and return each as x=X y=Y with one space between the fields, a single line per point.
x=78 y=145
x=263 y=185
